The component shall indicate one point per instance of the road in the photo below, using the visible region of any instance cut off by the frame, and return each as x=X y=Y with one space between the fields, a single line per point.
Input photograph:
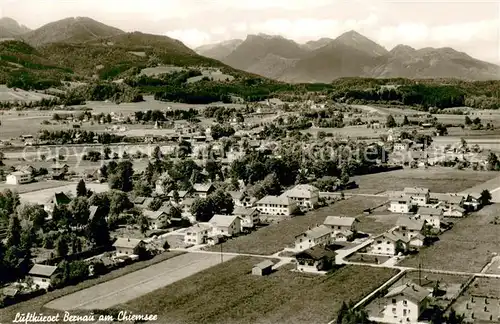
x=138 y=283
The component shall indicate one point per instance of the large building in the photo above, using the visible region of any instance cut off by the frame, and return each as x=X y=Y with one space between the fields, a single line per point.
x=418 y=196
x=304 y=195
x=278 y=206
x=18 y=177
x=405 y=303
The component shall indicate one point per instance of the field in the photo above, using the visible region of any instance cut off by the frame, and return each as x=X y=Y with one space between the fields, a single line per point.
x=482 y=298
x=20 y=95
x=136 y=284
x=437 y=179
x=34 y=186
x=228 y=293
x=37 y=304
x=467 y=247
x=41 y=196
x=275 y=237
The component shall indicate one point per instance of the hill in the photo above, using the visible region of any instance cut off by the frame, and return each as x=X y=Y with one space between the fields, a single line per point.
x=219 y=51
x=70 y=30
x=257 y=47
x=23 y=66
x=9 y=28
x=315 y=44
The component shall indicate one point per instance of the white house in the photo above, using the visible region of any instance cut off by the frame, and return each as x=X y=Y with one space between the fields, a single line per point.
x=249 y=216
x=18 y=177
x=431 y=216
x=340 y=223
x=409 y=227
x=127 y=246
x=401 y=205
x=197 y=234
x=274 y=205
x=314 y=259
x=201 y=190
x=312 y=237
x=238 y=198
x=305 y=195
x=342 y=236
x=454 y=211
x=418 y=196
x=157 y=219
x=227 y=225
x=388 y=244
x=405 y=303
x=42 y=275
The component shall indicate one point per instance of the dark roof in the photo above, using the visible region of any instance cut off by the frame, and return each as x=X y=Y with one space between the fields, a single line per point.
x=315 y=253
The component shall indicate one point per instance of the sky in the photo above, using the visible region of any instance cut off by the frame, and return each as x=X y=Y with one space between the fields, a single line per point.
x=469 y=26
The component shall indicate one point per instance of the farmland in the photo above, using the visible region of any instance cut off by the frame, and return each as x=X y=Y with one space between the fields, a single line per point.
x=275 y=237
x=437 y=179
x=481 y=301
x=238 y=297
x=467 y=247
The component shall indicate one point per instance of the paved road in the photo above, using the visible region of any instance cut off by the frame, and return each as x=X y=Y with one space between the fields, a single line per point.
x=138 y=283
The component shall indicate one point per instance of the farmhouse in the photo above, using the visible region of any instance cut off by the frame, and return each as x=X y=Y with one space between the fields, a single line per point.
x=312 y=237
x=127 y=246
x=157 y=219
x=418 y=196
x=340 y=223
x=401 y=205
x=315 y=259
x=202 y=190
x=305 y=195
x=42 y=275
x=405 y=303
x=226 y=225
x=274 y=205
x=448 y=200
x=454 y=211
x=18 y=177
x=389 y=243
x=263 y=268
x=197 y=234
x=409 y=227
x=431 y=216
x=249 y=216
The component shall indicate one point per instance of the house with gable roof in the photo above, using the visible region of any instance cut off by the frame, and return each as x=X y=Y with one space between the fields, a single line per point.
x=312 y=237
x=226 y=225
x=405 y=303
x=304 y=195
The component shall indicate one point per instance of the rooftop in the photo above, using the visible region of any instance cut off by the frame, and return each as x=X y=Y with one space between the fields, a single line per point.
x=410 y=223
x=430 y=211
x=411 y=291
x=415 y=191
x=222 y=220
x=318 y=231
x=264 y=264
x=339 y=221
x=127 y=242
x=42 y=270
x=275 y=200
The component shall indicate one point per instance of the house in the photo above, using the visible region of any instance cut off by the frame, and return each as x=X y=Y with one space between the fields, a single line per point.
x=127 y=246
x=237 y=197
x=389 y=243
x=248 y=201
x=401 y=146
x=214 y=240
x=305 y=195
x=312 y=237
x=42 y=275
x=227 y=225
x=201 y=190
x=315 y=259
x=157 y=219
x=142 y=202
x=473 y=201
x=276 y=205
x=249 y=216
x=263 y=268
x=405 y=303
x=59 y=171
x=181 y=194
x=409 y=227
x=186 y=205
x=448 y=200
x=342 y=236
x=340 y=223
x=18 y=177
x=401 y=205
x=454 y=211
x=58 y=199
x=197 y=234
x=418 y=196
x=416 y=241
x=27 y=168
x=432 y=216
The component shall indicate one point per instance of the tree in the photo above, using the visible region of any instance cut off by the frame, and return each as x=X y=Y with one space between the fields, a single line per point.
x=81 y=189
x=143 y=224
x=121 y=177
x=34 y=213
x=485 y=197
x=107 y=152
x=454 y=318
x=142 y=189
x=468 y=121
x=342 y=312
x=14 y=232
x=98 y=230
x=62 y=246
x=118 y=202
x=80 y=209
x=390 y=122
x=157 y=154
x=406 y=121
x=202 y=209
x=155 y=204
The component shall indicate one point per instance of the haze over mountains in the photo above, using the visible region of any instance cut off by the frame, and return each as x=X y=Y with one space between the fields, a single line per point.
x=349 y=55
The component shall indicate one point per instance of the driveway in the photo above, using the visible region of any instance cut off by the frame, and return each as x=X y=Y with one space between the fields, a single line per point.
x=136 y=284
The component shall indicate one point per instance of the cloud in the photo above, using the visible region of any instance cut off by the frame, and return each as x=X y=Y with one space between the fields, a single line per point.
x=191 y=37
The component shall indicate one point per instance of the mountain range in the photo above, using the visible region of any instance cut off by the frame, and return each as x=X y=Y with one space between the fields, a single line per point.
x=349 y=55
x=88 y=47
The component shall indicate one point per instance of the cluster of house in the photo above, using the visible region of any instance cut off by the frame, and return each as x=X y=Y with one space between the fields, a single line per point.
x=333 y=229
